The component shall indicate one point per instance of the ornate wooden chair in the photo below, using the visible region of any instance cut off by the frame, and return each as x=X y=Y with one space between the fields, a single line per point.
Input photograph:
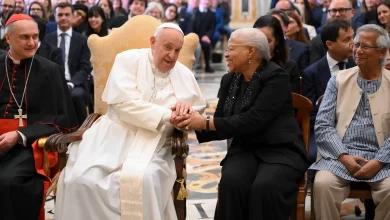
x=304 y=107
x=358 y=190
x=134 y=34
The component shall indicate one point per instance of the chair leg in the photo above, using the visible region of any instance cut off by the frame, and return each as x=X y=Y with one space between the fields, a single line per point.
x=312 y=212
x=180 y=204
x=300 y=208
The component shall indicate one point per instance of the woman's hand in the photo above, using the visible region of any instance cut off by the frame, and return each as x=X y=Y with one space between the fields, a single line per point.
x=182 y=108
x=191 y=122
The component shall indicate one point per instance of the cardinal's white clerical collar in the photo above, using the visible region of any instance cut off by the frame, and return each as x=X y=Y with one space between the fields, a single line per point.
x=15 y=61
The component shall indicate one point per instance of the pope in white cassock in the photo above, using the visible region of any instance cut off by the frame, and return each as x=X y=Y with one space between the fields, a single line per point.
x=124 y=168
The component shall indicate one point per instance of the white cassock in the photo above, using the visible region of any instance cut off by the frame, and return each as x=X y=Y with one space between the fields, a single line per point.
x=123 y=168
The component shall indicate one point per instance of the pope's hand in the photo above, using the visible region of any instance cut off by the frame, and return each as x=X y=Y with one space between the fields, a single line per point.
x=182 y=108
x=8 y=141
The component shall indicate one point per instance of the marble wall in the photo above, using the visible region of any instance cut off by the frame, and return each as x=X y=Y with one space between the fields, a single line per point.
x=246 y=12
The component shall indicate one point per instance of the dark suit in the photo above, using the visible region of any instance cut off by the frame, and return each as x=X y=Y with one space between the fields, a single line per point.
x=317 y=16
x=317 y=49
x=273 y=3
x=314 y=81
x=79 y=69
x=299 y=52
x=203 y=24
x=267 y=149
x=51 y=53
x=185 y=20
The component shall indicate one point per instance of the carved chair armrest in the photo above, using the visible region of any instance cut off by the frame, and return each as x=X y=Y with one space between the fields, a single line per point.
x=58 y=142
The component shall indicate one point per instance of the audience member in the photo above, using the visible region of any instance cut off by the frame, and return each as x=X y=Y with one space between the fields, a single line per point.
x=279 y=51
x=267 y=158
x=352 y=130
x=337 y=37
x=76 y=56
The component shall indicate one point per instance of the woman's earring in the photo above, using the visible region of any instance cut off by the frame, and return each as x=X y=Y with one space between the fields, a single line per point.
x=249 y=61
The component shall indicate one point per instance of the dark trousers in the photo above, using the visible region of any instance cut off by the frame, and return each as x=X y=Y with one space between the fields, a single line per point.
x=313 y=148
x=79 y=98
x=206 y=48
x=21 y=187
x=251 y=189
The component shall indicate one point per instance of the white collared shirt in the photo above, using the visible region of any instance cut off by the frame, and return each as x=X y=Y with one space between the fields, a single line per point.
x=333 y=67
x=202 y=10
x=68 y=36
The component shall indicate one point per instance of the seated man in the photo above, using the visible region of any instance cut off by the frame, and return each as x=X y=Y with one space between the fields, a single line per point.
x=353 y=128
x=124 y=168
x=337 y=37
x=34 y=103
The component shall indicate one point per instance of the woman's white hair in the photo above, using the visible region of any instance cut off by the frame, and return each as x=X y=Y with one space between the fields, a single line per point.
x=382 y=41
x=254 y=37
x=152 y=5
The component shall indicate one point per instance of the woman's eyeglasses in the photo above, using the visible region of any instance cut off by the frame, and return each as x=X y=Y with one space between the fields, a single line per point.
x=35 y=9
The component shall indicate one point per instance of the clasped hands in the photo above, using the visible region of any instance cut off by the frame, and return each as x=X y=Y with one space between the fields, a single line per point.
x=185 y=118
x=361 y=172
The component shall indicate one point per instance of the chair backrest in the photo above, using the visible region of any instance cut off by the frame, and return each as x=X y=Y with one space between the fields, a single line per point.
x=134 y=34
x=304 y=106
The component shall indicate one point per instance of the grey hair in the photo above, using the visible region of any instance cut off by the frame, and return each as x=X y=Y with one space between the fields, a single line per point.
x=382 y=41
x=152 y=5
x=254 y=37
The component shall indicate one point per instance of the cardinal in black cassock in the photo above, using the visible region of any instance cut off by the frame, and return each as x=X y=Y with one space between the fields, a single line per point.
x=34 y=103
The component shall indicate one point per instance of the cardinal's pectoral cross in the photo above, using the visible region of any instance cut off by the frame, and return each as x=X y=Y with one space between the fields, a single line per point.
x=20 y=116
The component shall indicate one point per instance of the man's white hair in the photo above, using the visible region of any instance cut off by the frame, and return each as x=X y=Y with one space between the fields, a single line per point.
x=255 y=38
x=382 y=41
x=168 y=25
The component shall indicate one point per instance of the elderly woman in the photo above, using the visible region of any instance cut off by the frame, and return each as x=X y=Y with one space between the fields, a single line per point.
x=352 y=129
x=267 y=158
x=155 y=9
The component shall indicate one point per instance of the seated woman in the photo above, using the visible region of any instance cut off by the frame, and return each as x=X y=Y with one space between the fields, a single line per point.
x=97 y=22
x=279 y=50
x=171 y=14
x=295 y=29
x=267 y=158
x=37 y=8
x=155 y=9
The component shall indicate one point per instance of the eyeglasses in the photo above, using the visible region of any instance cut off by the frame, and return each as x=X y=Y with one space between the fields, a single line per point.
x=362 y=46
x=35 y=9
x=7 y=6
x=341 y=11
x=286 y=10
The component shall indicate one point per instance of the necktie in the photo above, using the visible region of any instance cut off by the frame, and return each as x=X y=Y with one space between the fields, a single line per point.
x=62 y=45
x=341 y=65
